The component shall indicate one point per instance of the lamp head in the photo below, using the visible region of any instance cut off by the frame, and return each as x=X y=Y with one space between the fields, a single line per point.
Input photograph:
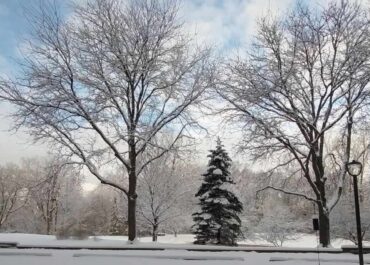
x=354 y=168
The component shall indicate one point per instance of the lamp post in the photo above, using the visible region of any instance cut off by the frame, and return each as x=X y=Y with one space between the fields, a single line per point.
x=354 y=168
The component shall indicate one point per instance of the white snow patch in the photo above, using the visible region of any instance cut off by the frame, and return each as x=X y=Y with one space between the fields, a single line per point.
x=223 y=201
x=217 y=171
x=206 y=216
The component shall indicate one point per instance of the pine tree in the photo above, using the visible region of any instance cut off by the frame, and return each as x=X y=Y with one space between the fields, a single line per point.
x=218 y=221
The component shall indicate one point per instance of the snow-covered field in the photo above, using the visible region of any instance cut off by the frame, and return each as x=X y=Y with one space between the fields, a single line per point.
x=166 y=257
x=301 y=241
x=175 y=252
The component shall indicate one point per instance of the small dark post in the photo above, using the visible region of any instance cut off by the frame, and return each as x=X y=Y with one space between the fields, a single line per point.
x=358 y=221
x=315 y=223
x=354 y=168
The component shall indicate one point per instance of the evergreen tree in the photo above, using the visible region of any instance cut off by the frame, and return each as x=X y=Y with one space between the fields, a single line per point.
x=218 y=221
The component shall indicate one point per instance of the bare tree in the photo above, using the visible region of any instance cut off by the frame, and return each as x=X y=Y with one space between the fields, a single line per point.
x=163 y=188
x=105 y=82
x=304 y=80
x=46 y=178
x=13 y=192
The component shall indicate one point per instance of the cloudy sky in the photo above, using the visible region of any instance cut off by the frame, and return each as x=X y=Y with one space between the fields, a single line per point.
x=228 y=24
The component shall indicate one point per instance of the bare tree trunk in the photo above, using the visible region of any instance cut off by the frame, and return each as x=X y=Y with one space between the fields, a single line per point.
x=219 y=236
x=48 y=226
x=47 y=216
x=155 y=232
x=132 y=191
x=131 y=218
x=56 y=219
x=324 y=223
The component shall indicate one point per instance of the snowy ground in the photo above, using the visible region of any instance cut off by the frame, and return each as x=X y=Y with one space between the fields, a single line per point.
x=300 y=241
x=174 y=253
x=166 y=257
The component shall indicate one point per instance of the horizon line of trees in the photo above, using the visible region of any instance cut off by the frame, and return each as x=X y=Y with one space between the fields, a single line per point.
x=102 y=211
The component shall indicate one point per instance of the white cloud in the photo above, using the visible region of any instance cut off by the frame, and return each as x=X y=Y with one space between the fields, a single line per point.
x=15 y=146
x=256 y=9
x=228 y=24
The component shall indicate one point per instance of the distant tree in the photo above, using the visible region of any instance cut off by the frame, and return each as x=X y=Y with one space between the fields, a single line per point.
x=344 y=220
x=246 y=184
x=91 y=214
x=47 y=178
x=118 y=224
x=40 y=195
x=71 y=198
x=163 y=190
x=217 y=221
x=13 y=192
x=96 y=211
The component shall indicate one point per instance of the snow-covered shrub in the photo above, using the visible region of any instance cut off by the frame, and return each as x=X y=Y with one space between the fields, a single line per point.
x=277 y=225
x=343 y=219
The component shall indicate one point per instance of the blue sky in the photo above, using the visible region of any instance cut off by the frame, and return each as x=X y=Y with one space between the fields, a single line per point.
x=227 y=23
x=13 y=26
x=223 y=22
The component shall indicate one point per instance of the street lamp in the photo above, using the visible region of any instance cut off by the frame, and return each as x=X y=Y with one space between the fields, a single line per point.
x=354 y=168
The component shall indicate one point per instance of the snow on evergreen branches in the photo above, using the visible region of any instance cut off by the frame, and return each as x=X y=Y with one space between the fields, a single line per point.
x=218 y=221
